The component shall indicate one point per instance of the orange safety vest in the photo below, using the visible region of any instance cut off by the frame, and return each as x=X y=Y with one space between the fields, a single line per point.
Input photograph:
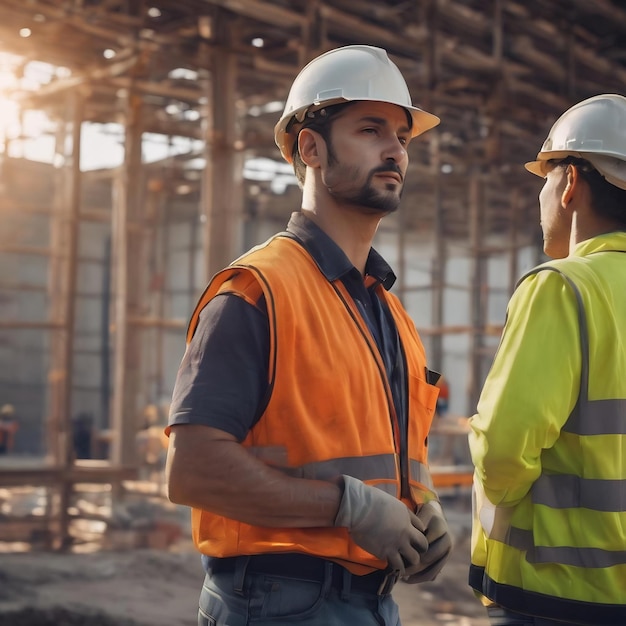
x=330 y=405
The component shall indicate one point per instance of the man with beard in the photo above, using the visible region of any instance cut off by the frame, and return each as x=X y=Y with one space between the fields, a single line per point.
x=303 y=402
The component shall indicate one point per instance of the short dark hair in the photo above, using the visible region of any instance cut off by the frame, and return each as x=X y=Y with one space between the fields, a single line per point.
x=321 y=122
x=607 y=200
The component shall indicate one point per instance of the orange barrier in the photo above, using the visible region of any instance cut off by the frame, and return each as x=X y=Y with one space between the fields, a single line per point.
x=452 y=475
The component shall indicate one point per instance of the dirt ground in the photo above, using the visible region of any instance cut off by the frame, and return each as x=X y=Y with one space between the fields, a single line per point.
x=150 y=587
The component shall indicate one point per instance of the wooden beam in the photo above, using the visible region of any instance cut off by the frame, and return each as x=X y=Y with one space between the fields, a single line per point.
x=221 y=190
x=340 y=22
x=126 y=252
x=266 y=12
x=80 y=472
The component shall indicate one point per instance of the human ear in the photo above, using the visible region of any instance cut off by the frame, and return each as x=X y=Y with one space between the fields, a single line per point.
x=309 y=143
x=570 y=186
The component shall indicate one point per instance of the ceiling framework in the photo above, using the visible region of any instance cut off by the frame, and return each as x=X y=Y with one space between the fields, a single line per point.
x=498 y=73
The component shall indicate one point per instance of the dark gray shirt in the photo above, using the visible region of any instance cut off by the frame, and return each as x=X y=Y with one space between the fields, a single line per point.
x=223 y=378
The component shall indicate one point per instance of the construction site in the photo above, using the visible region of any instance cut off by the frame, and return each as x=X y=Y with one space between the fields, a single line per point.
x=137 y=158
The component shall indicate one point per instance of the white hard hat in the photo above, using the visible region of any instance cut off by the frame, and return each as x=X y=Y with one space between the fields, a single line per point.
x=342 y=75
x=594 y=130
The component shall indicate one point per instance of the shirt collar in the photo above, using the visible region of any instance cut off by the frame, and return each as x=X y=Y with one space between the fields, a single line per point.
x=330 y=258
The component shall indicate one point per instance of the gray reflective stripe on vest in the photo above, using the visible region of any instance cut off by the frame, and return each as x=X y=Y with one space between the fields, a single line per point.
x=421 y=474
x=390 y=488
x=576 y=557
x=598 y=417
x=560 y=491
x=374 y=467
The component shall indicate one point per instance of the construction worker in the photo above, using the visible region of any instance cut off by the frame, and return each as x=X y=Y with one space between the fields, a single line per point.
x=8 y=428
x=301 y=408
x=549 y=534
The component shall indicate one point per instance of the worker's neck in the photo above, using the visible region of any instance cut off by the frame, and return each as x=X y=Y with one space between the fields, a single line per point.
x=587 y=224
x=352 y=230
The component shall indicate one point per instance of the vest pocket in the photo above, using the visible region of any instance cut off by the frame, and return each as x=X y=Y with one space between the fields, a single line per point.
x=422 y=404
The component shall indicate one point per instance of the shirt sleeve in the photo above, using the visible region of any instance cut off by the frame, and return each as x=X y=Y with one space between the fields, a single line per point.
x=530 y=390
x=222 y=380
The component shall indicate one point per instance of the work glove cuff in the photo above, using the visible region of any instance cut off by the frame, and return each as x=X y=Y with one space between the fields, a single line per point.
x=353 y=492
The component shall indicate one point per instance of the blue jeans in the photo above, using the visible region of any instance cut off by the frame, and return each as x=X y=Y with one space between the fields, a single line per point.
x=503 y=617
x=261 y=599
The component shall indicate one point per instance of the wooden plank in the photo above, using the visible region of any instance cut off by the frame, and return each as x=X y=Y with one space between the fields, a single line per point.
x=52 y=476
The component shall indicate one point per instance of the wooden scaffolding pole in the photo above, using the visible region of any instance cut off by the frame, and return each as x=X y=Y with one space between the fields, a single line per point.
x=63 y=280
x=127 y=267
x=478 y=283
x=439 y=261
x=514 y=223
x=222 y=196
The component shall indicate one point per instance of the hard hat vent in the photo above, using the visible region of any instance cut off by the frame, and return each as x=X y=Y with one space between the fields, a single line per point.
x=329 y=94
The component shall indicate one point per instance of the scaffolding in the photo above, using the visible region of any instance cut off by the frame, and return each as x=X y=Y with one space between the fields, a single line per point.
x=136 y=242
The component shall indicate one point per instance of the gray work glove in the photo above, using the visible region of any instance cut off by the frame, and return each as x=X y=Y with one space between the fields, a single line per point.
x=439 y=543
x=382 y=525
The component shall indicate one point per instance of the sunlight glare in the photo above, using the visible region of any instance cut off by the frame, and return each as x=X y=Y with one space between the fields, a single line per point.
x=9 y=109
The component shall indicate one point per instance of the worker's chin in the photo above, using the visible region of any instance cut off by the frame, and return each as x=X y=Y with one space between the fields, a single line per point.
x=382 y=203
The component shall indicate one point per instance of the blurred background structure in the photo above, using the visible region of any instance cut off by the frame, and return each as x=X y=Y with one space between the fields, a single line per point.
x=137 y=158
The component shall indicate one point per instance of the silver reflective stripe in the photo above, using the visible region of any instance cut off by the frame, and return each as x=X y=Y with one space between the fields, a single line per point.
x=576 y=557
x=520 y=539
x=420 y=473
x=598 y=417
x=565 y=492
x=379 y=466
x=390 y=488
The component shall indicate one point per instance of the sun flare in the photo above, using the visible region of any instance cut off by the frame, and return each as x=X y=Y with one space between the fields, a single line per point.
x=9 y=108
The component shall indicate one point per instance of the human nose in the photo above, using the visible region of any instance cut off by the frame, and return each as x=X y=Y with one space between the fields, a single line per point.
x=395 y=150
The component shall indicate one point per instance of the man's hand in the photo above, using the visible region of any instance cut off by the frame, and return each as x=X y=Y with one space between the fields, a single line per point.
x=439 y=543
x=383 y=526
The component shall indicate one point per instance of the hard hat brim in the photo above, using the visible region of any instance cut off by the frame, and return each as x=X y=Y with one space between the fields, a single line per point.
x=612 y=168
x=536 y=167
x=539 y=167
x=421 y=122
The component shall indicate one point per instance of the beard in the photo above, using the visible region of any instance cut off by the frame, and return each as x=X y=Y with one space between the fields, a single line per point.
x=366 y=196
